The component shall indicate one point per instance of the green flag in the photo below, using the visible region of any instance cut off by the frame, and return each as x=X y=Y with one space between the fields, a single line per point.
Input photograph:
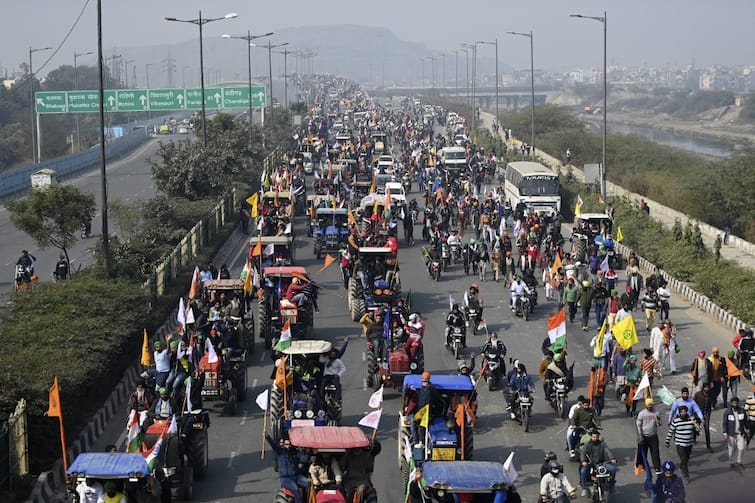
x=408 y=301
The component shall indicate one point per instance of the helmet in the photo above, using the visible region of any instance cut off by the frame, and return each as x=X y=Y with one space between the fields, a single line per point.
x=585 y=283
x=550 y=456
x=474 y=285
x=426 y=376
x=554 y=467
x=669 y=466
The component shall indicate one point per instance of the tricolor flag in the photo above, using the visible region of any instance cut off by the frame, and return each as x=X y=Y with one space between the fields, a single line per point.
x=285 y=339
x=134 y=435
x=482 y=328
x=150 y=455
x=194 y=287
x=371 y=420
x=557 y=331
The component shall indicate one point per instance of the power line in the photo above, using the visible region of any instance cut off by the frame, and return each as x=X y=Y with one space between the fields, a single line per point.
x=60 y=46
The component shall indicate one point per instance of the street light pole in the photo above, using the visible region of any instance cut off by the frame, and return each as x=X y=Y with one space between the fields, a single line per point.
x=473 y=49
x=76 y=56
x=103 y=167
x=495 y=43
x=532 y=82
x=201 y=22
x=270 y=48
x=248 y=39
x=285 y=53
x=603 y=20
x=34 y=147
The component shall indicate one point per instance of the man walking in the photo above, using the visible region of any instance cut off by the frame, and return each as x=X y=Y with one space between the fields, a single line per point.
x=734 y=427
x=647 y=431
x=682 y=430
x=704 y=403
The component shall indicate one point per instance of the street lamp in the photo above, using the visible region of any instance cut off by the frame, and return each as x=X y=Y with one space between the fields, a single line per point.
x=76 y=56
x=200 y=21
x=604 y=20
x=270 y=48
x=495 y=43
x=35 y=151
x=532 y=82
x=125 y=67
x=248 y=39
x=285 y=53
x=466 y=61
x=472 y=104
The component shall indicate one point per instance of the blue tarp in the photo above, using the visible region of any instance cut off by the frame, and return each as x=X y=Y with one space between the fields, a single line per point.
x=463 y=476
x=110 y=465
x=441 y=382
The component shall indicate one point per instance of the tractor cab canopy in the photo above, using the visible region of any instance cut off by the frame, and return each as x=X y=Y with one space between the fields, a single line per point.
x=475 y=477
x=375 y=251
x=108 y=465
x=308 y=347
x=592 y=224
x=441 y=382
x=328 y=438
x=328 y=217
x=285 y=271
x=276 y=250
x=217 y=285
x=283 y=197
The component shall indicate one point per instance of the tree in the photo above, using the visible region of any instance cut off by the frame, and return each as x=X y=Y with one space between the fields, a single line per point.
x=53 y=215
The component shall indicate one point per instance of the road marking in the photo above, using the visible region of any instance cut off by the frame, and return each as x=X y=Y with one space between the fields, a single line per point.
x=230 y=458
x=262 y=356
x=364 y=356
x=243 y=419
x=364 y=384
x=254 y=383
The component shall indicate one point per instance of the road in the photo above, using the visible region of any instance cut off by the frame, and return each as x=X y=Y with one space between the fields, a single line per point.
x=128 y=179
x=237 y=471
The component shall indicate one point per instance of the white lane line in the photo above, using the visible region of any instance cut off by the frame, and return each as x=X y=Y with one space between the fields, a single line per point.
x=262 y=356
x=230 y=458
x=364 y=384
x=254 y=383
x=244 y=418
x=364 y=356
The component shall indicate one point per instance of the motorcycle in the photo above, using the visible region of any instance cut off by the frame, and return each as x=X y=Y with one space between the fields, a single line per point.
x=445 y=256
x=600 y=480
x=457 y=341
x=86 y=230
x=455 y=253
x=523 y=409
x=523 y=307
x=559 y=395
x=433 y=267
x=494 y=367
x=473 y=317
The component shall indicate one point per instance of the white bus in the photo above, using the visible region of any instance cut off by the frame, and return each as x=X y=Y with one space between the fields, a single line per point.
x=533 y=184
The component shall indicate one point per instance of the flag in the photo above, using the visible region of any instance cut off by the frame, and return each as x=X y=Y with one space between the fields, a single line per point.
x=666 y=396
x=248 y=278
x=373 y=185
x=352 y=219
x=151 y=455
x=557 y=264
x=619 y=235
x=482 y=328
x=599 y=340
x=335 y=203
x=280 y=373
x=146 y=355
x=285 y=339
x=459 y=415
x=194 y=287
x=371 y=420
x=330 y=170
x=54 y=409
x=600 y=199
x=212 y=356
x=189 y=405
x=253 y=201
x=438 y=196
x=375 y=205
x=625 y=333
x=190 y=316
x=578 y=206
x=408 y=301
x=269 y=250
x=731 y=368
x=133 y=436
x=387 y=197
x=644 y=383
x=173 y=428
x=181 y=314
x=376 y=399
x=509 y=470
x=557 y=331
x=423 y=416
x=604 y=265
x=263 y=399
x=256 y=279
x=257 y=250
x=329 y=259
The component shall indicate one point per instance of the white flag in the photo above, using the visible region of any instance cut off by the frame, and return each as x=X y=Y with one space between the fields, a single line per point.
x=189 y=405
x=644 y=383
x=509 y=470
x=371 y=420
x=269 y=249
x=181 y=315
x=376 y=399
x=173 y=428
x=189 y=316
x=212 y=356
x=262 y=399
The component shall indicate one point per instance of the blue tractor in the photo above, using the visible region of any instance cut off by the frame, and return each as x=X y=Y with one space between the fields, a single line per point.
x=331 y=229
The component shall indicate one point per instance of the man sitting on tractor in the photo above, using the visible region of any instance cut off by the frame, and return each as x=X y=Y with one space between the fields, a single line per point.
x=324 y=471
x=358 y=464
x=289 y=461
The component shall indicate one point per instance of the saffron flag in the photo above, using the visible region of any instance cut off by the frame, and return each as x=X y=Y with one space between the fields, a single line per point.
x=619 y=235
x=253 y=201
x=371 y=420
x=280 y=373
x=557 y=331
x=438 y=196
x=285 y=339
x=600 y=199
x=54 y=409
x=423 y=416
x=373 y=186
x=557 y=264
x=194 y=288
x=329 y=259
x=352 y=219
x=263 y=399
x=248 y=278
x=625 y=333
x=376 y=399
x=257 y=250
x=731 y=368
x=146 y=355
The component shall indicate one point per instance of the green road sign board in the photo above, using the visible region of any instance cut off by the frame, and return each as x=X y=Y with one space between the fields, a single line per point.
x=139 y=100
x=53 y=102
x=167 y=99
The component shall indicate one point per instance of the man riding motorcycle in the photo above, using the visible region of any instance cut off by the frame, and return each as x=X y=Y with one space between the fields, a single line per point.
x=473 y=302
x=518 y=382
x=494 y=347
x=455 y=319
x=518 y=290
x=596 y=452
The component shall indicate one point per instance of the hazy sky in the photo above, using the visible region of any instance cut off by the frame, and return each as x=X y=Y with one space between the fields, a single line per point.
x=652 y=32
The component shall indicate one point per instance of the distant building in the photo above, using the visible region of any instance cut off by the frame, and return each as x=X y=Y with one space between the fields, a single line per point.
x=8 y=83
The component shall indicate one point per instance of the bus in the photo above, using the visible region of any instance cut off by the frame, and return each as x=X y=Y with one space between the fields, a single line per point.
x=534 y=185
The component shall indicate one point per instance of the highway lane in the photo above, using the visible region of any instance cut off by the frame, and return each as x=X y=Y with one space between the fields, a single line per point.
x=237 y=472
x=129 y=178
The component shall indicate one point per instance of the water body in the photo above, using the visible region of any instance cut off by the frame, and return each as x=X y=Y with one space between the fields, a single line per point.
x=696 y=144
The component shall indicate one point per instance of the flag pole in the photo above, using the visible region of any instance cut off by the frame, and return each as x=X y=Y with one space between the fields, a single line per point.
x=264 y=424
x=63 y=443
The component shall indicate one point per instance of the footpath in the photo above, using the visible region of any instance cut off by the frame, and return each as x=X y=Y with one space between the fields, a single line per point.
x=738 y=250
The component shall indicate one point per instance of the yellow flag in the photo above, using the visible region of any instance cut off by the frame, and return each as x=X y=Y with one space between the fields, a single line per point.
x=146 y=355
x=423 y=416
x=625 y=333
x=556 y=264
x=352 y=218
x=253 y=201
x=577 y=209
x=599 y=342
x=619 y=235
x=248 y=278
